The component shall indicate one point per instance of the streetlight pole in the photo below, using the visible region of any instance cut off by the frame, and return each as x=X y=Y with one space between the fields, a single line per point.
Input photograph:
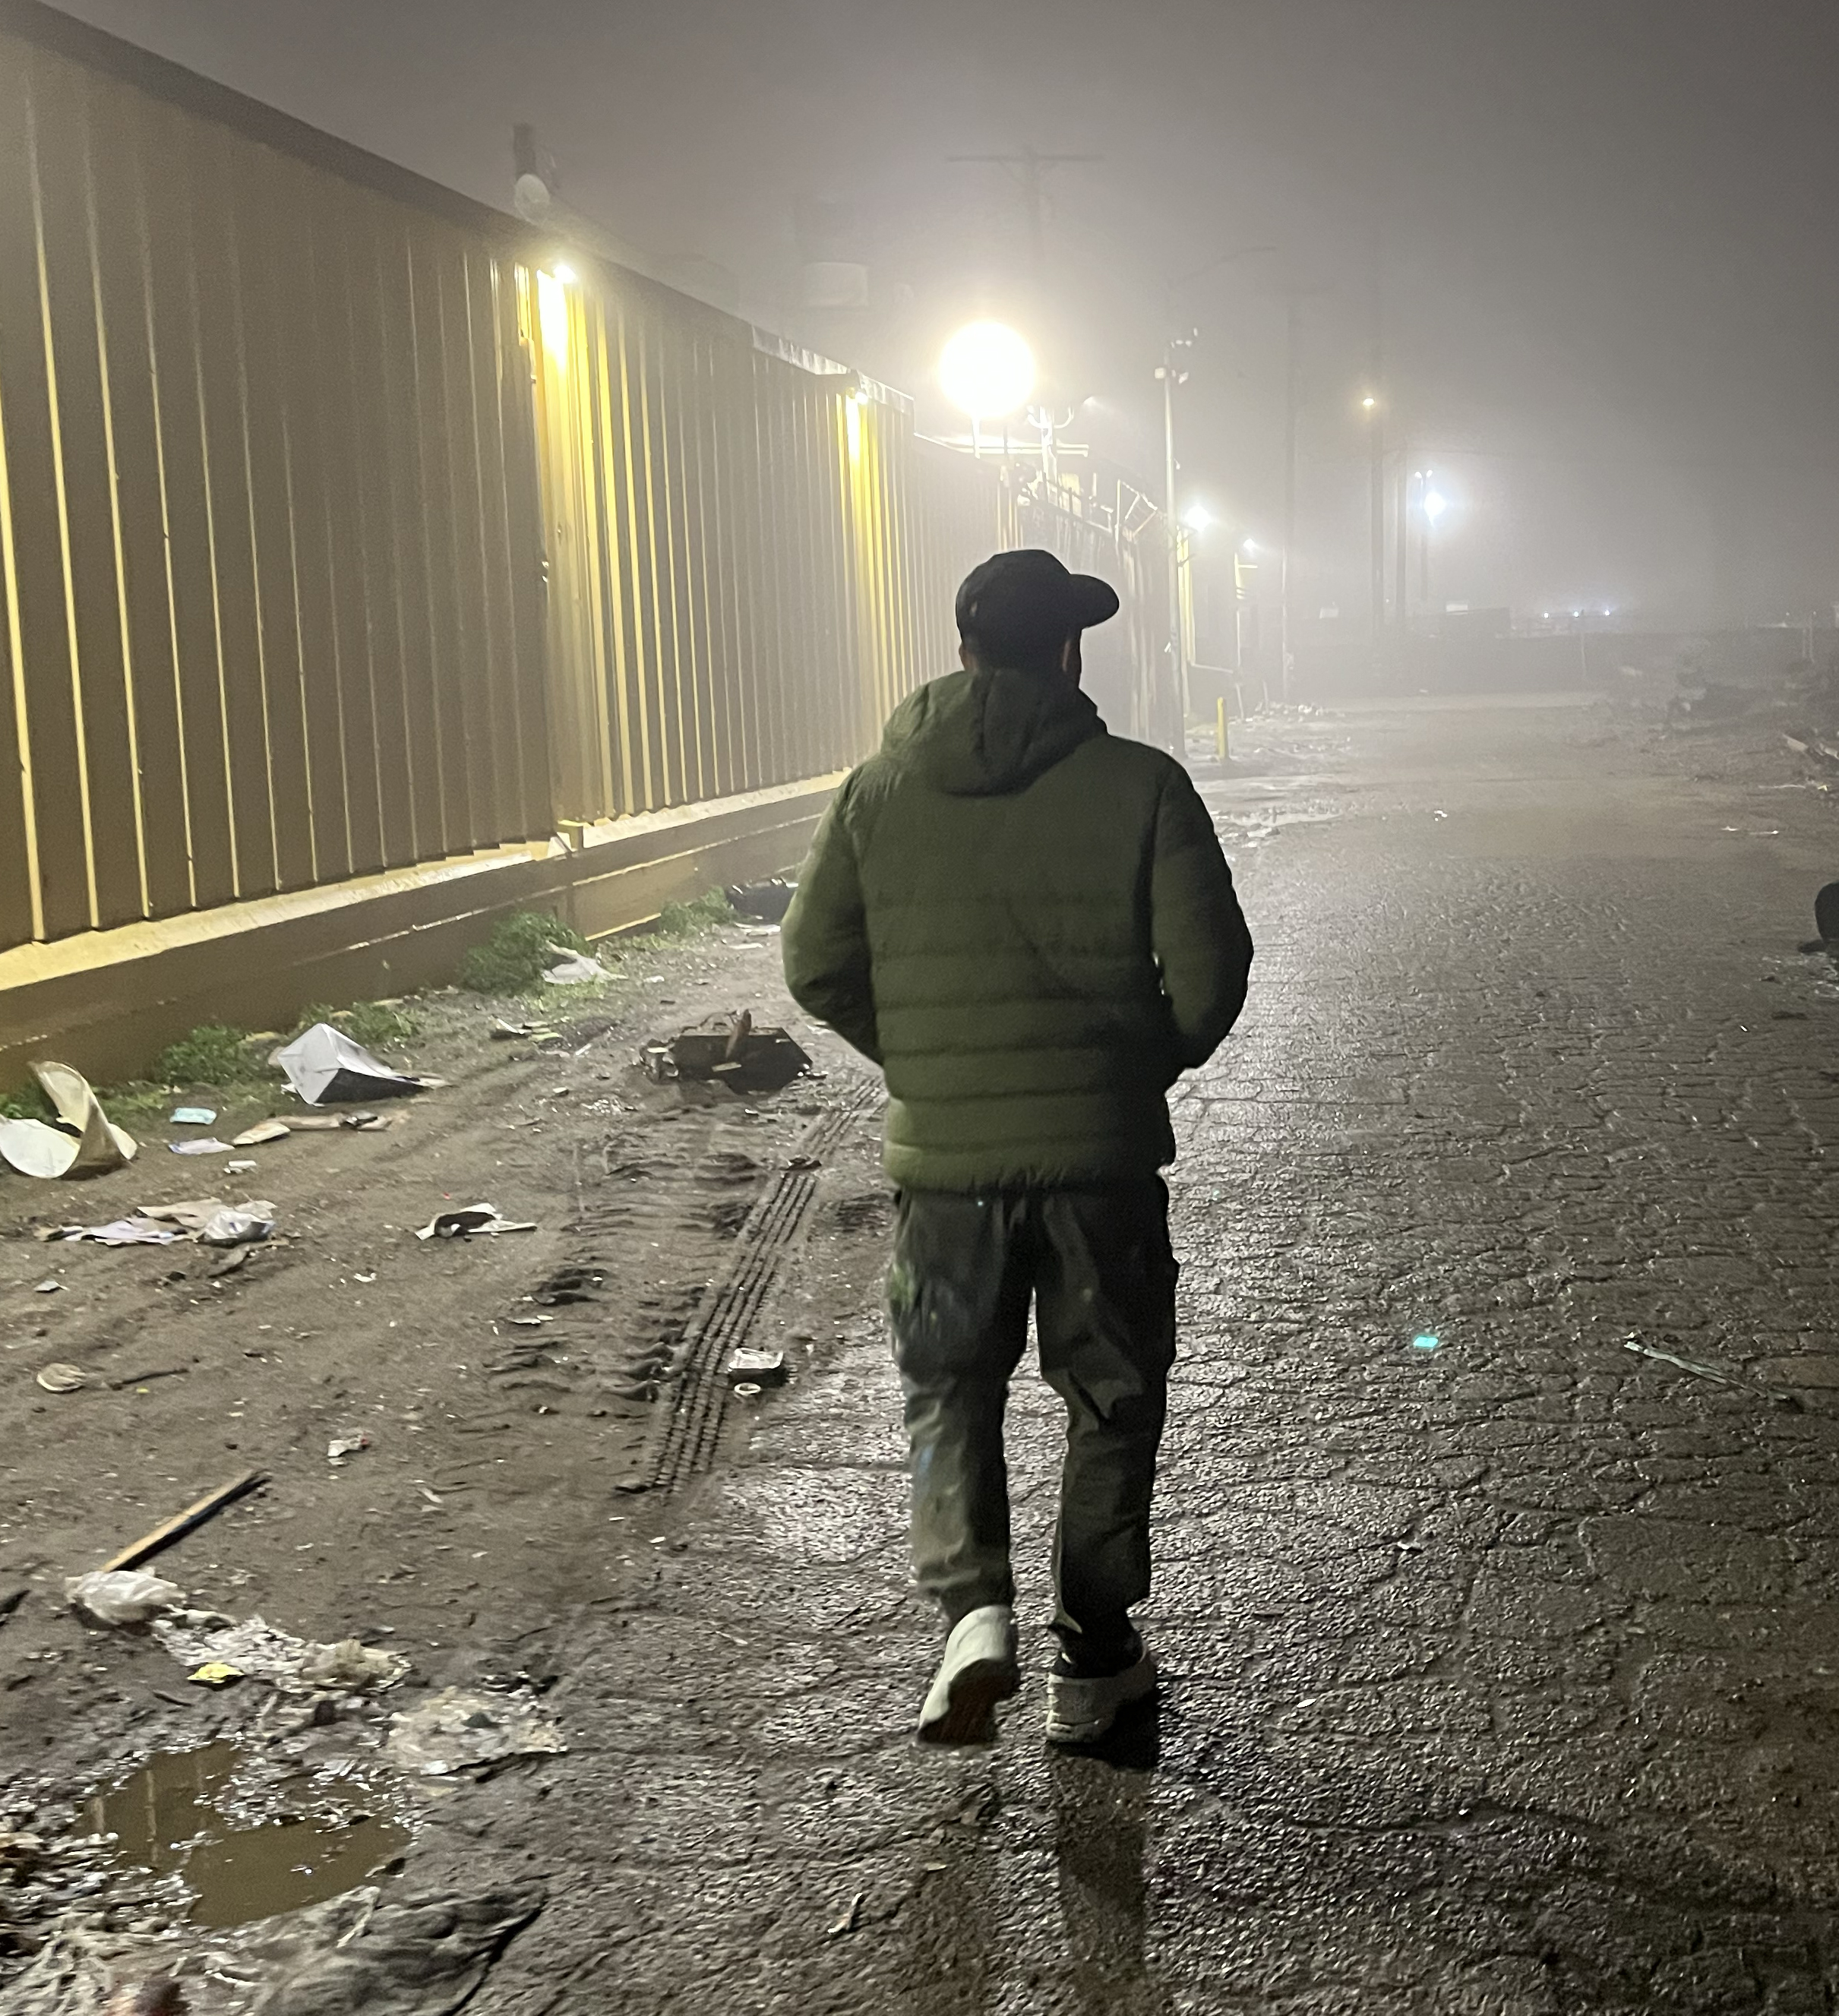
x=1178 y=655
x=1376 y=484
x=1286 y=619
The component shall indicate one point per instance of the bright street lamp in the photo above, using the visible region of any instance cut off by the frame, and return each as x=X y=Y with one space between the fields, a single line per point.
x=987 y=370
x=1435 y=505
x=1196 y=517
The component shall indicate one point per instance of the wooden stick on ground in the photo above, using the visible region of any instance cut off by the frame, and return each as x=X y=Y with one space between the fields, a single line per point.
x=181 y=1523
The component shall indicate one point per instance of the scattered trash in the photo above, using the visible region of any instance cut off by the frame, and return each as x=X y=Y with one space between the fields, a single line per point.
x=1826 y=914
x=49 y=1288
x=342 y=1446
x=745 y=1389
x=142 y=1378
x=728 y=1050
x=763 y=902
x=1713 y=1372
x=193 y=1116
x=328 y=1123
x=457 y=1729
x=238 y=1168
x=183 y=1523
x=215 y=1223
x=529 y=1322
x=508 y=1032
x=462 y=1224
x=235 y=1258
x=850 y=1918
x=573 y=969
x=764 y=1368
x=258 y=1652
x=325 y=1067
x=113 y=1595
x=263 y=1130
x=62 y=1378
x=216 y=1673
x=84 y=1142
x=239 y=1225
x=139 y=1230
x=1426 y=1342
x=209 y=1147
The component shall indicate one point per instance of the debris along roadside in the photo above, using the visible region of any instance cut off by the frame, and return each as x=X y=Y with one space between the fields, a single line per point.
x=325 y=1067
x=84 y=1142
x=491 y=1511
x=209 y=1220
x=727 y=1050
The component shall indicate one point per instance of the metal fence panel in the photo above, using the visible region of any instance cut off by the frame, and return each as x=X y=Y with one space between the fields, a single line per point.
x=342 y=529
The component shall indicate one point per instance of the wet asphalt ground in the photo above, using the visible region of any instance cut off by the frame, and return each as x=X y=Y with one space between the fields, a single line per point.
x=1502 y=1675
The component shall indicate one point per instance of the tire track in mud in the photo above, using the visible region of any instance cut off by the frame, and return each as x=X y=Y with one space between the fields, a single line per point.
x=680 y=1235
x=687 y=1428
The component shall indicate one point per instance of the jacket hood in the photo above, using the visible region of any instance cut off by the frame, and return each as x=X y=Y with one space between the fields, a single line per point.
x=988 y=733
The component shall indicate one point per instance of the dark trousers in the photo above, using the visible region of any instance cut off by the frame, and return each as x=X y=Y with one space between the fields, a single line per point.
x=1097 y=1264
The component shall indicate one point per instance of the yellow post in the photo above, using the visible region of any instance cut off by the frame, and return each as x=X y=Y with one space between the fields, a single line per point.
x=1219 y=728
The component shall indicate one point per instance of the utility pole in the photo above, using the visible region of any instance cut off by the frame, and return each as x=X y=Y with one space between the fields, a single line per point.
x=1171 y=376
x=1034 y=168
x=1286 y=619
x=1375 y=409
x=1401 y=538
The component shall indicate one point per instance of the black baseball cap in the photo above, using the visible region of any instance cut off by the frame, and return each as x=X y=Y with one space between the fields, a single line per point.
x=1017 y=605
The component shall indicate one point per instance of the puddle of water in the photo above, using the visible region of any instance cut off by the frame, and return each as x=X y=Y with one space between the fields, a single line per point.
x=169 y=1816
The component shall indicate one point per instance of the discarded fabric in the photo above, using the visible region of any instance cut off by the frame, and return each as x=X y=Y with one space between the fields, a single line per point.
x=205 y=1147
x=325 y=1067
x=458 y=1730
x=193 y=1116
x=123 y=1596
x=462 y=1224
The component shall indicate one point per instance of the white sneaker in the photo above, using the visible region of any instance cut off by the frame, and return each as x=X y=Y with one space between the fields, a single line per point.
x=978 y=1670
x=1082 y=1711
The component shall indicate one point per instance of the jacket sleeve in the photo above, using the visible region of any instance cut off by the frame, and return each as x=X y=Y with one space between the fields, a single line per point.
x=1197 y=931
x=825 y=938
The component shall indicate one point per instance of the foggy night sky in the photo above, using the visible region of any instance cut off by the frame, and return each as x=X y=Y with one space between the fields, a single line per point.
x=1604 y=227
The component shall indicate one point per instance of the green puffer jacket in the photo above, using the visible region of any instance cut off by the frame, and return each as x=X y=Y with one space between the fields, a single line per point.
x=1029 y=924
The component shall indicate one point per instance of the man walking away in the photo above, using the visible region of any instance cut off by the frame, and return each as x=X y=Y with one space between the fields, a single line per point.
x=1028 y=923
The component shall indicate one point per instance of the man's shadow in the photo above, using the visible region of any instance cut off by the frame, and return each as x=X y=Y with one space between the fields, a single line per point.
x=1102 y=1796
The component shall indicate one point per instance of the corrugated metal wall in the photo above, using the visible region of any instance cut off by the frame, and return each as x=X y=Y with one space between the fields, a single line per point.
x=272 y=592
x=343 y=528
x=751 y=559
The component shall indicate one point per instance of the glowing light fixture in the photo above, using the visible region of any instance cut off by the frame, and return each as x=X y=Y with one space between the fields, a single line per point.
x=1248 y=547
x=565 y=273
x=1368 y=403
x=1435 y=505
x=1196 y=517
x=987 y=370
x=552 y=314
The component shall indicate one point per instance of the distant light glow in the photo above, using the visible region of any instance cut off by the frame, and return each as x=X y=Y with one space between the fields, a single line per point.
x=565 y=273
x=1196 y=517
x=987 y=370
x=1435 y=505
x=1248 y=546
x=1369 y=402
